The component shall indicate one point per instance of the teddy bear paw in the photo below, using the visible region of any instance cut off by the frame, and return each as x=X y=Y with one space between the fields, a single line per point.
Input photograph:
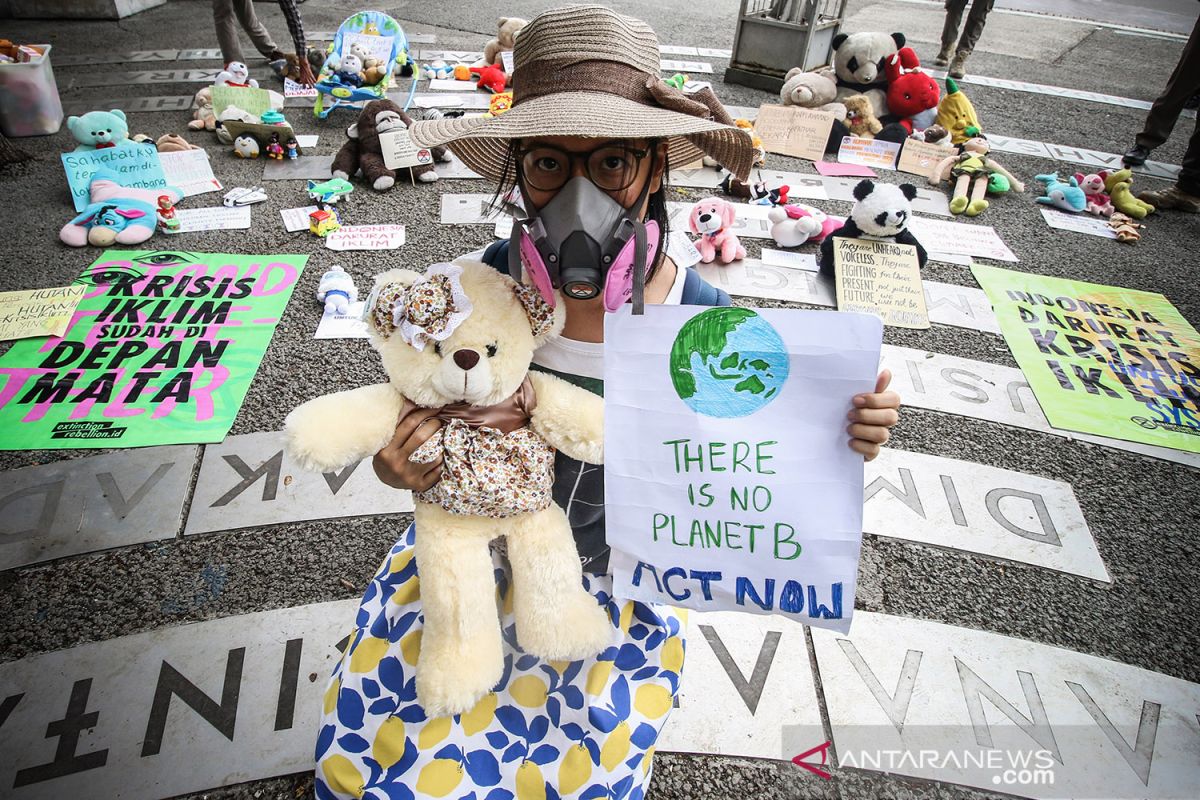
x=383 y=183
x=454 y=686
x=577 y=628
x=427 y=177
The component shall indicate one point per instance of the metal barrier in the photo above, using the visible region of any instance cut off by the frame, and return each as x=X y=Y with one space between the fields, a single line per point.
x=773 y=36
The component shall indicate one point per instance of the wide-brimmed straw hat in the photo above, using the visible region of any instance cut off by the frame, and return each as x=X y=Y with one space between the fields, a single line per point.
x=588 y=71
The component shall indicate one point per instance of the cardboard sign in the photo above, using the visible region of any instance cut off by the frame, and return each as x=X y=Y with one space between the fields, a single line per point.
x=366 y=237
x=794 y=131
x=919 y=158
x=399 y=150
x=882 y=278
x=136 y=166
x=725 y=437
x=37 y=312
x=161 y=350
x=293 y=89
x=1101 y=359
x=868 y=152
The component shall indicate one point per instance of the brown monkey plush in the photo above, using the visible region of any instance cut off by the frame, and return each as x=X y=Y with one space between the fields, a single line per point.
x=363 y=152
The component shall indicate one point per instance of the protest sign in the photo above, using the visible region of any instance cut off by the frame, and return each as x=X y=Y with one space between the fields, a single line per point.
x=919 y=158
x=1102 y=359
x=37 y=312
x=293 y=89
x=161 y=350
x=399 y=151
x=247 y=98
x=366 y=237
x=868 y=152
x=881 y=278
x=212 y=218
x=189 y=171
x=794 y=131
x=960 y=238
x=725 y=453
x=137 y=166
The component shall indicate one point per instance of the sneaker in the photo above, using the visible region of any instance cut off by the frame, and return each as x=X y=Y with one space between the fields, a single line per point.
x=943 y=56
x=1172 y=197
x=958 y=67
x=1135 y=156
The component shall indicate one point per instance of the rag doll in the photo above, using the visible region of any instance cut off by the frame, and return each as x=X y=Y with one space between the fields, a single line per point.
x=460 y=338
x=712 y=220
x=971 y=170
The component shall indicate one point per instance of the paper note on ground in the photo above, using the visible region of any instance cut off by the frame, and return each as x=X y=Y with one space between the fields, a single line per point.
x=786 y=258
x=212 y=218
x=306 y=140
x=190 y=171
x=793 y=131
x=350 y=325
x=725 y=435
x=293 y=89
x=961 y=238
x=868 y=152
x=1102 y=359
x=919 y=158
x=1079 y=223
x=883 y=278
x=450 y=85
x=366 y=237
x=296 y=219
x=838 y=169
x=28 y=313
x=468 y=209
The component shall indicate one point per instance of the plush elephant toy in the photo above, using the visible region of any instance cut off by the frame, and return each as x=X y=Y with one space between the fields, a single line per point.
x=363 y=152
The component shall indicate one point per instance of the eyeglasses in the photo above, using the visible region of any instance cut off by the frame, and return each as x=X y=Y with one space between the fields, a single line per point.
x=612 y=167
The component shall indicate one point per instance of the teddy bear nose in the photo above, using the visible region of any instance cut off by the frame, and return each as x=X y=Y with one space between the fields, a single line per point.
x=466 y=359
x=705 y=217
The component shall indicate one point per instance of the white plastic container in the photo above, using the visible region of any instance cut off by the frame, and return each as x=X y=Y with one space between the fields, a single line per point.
x=29 y=101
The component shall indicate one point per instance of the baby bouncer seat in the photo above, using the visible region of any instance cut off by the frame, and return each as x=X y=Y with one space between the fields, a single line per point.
x=371 y=32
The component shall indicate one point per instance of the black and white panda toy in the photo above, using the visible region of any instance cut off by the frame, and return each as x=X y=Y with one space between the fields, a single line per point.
x=882 y=211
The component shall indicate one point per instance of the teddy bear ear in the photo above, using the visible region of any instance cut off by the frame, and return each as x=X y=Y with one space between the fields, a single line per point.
x=863 y=188
x=837 y=40
x=899 y=39
x=908 y=190
x=791 y=73
x=544 y=319
x=116 y=112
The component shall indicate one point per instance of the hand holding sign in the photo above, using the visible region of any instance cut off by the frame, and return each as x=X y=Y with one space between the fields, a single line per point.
x=726 y=447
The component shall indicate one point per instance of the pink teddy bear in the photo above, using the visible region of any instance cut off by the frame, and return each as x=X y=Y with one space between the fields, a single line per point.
x=712 y=219
x=1098 y=202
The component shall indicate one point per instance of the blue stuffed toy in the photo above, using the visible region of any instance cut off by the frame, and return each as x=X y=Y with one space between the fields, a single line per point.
x=97 y=130
x=1067 y=196
x=116 y=214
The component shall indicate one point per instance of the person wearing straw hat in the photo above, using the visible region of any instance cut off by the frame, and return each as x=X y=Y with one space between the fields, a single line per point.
x=588 y=142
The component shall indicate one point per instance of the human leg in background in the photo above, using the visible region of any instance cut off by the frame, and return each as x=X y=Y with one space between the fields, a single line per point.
x=976 y=19
x=227 y=37
x=254 y=28
x=954 y=12
x=1185 y=194
x=1183 y=84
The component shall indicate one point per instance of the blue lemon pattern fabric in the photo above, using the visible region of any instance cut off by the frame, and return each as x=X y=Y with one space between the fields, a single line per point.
x=549 y=730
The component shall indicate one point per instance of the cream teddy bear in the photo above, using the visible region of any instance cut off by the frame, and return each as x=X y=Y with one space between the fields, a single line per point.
x=461 y=338
x=505 y=39
x=817 y=89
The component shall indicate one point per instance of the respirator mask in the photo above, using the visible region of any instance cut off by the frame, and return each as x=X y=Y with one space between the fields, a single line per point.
x=586 y=244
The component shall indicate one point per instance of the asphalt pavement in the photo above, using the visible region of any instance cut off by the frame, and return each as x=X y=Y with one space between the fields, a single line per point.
x=1141 y=511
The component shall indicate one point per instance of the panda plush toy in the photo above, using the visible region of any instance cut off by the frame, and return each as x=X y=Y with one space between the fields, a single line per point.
x=881 y=211
x=859 y=64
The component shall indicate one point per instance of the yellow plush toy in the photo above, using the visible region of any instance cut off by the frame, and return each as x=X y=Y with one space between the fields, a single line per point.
x=955 y=113
x=460 y=338
x=1118 y=185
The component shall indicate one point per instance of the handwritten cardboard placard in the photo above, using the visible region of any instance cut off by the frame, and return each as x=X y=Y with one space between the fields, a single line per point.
x=725 y=440
x=247 y=98
x=136 y=166
x=868 y=152
x=919 y=158
x=366 y=237
x=37 y=312
x=882 y=278
x=399 y=151
x=794 y=131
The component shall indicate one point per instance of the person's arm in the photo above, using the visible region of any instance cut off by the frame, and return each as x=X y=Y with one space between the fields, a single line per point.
x=291 y=12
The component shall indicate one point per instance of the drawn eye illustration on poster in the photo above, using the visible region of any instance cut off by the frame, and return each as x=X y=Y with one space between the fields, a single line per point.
x=729 y=482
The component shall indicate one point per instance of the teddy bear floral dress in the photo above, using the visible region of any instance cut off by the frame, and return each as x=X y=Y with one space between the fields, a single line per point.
x=583 y=729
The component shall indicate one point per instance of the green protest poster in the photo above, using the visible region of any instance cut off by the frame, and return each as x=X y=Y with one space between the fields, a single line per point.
x=161 y=350
x=1101 y=359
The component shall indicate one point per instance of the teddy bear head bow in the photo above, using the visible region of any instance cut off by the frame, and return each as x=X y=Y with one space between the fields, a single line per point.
x=428 y=309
